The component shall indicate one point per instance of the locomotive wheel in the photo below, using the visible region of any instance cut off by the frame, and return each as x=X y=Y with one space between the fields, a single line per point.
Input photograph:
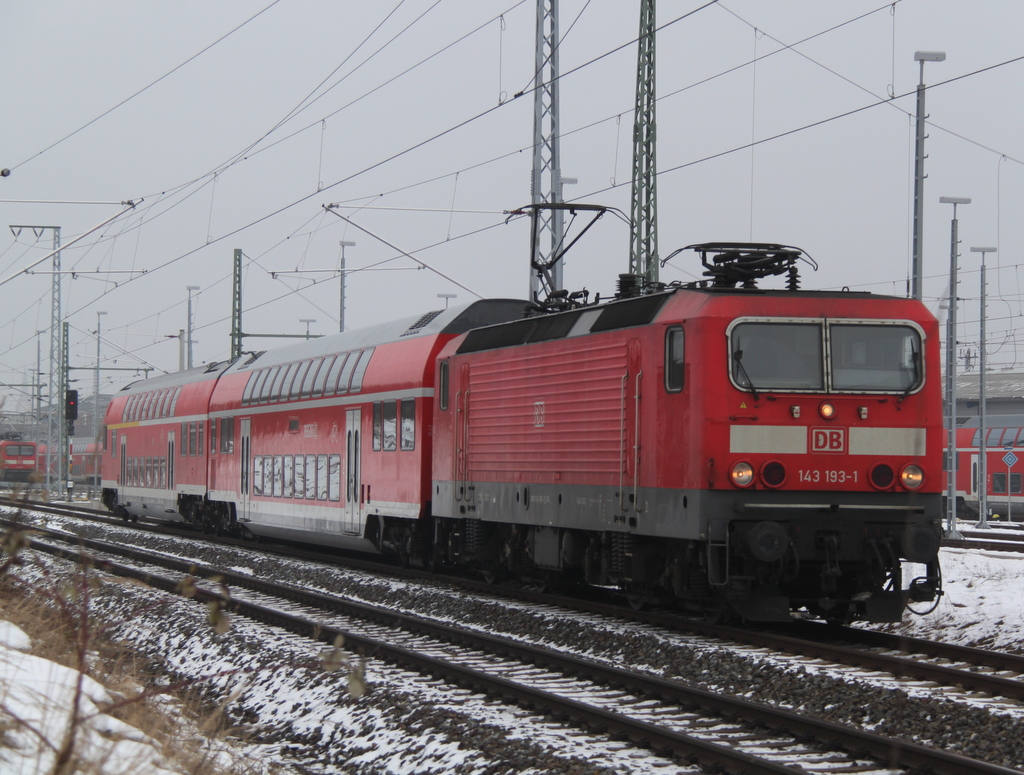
x=433 y=560
x=717 y=611
x=491 y=574
x=636 y=598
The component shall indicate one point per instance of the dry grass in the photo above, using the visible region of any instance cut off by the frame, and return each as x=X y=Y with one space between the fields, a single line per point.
x=183 y=724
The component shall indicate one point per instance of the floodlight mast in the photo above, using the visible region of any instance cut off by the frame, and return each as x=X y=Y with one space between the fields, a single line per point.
x=917 y=268
x=951 y=466
x=983 y=437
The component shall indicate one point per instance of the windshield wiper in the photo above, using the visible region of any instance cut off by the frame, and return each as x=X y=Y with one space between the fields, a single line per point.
x=915 y=358
x=738 y=357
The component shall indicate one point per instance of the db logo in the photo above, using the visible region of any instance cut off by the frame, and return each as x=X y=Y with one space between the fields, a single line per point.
x=538 y=414
x=828 y=439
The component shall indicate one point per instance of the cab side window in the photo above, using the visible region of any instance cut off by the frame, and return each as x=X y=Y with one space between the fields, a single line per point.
x=674 y=352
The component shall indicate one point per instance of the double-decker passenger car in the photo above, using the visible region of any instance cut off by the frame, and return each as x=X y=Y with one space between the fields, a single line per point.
x=1004 y=461
x=767 y=453
x=85 y=463
x=155 y=462
x=259 y=445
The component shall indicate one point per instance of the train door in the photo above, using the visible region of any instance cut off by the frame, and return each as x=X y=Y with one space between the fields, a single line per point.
x=463 y=492
x=123 y=480
x=170 y=461
x=244 y=468
x=973 y=485
x=629 y=467
x=352 y=513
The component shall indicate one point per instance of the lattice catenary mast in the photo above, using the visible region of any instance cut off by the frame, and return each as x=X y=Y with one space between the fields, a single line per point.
x=643 y=213
x=547 y=226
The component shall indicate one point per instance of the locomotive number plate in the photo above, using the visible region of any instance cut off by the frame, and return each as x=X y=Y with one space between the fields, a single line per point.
x=828 y=476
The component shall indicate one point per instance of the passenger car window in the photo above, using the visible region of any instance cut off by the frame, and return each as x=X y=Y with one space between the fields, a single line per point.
x=408 y=429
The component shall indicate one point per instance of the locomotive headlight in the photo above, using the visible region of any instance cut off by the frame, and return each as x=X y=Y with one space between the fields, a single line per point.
x=742 y=474
x=827 y=411
x=911 y=477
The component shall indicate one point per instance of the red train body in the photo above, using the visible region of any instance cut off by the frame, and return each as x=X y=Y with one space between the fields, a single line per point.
x=18 y=462
x=767 y=453
x=86 y=457
x=1004 y=442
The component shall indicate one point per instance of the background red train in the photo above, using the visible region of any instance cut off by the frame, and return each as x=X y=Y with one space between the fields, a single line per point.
x=1004 y=442
x=720 y=448
x=18 y=459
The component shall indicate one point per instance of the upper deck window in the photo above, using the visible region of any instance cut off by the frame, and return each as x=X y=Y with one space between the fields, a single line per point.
x=826 y=356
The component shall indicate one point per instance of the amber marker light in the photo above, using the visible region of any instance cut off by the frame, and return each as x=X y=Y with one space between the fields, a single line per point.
x=911 y=477
x=741 y=474
x=827 y=411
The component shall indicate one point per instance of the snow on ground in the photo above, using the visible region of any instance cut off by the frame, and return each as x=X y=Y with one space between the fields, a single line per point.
x=983 y=606
x=37 y=695
x=983 y=600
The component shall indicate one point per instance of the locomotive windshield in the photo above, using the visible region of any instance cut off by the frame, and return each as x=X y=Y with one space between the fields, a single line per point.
x=769 y=355
x=872 y=357
x=777 y=355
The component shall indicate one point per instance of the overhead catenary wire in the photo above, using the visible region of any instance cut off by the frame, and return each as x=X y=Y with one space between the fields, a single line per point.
x=444 y=210
x=128 y=99
x=492 y=109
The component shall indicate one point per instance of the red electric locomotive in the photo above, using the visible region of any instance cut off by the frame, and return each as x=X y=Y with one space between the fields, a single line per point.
x=18 y=461
x=727 y=449
x=732 y=449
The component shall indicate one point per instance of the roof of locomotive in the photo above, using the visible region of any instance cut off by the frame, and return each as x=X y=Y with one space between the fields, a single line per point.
x=621 y=313
x=454 y=321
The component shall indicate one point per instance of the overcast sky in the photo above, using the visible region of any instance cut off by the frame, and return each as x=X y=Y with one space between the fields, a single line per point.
x=232 y=124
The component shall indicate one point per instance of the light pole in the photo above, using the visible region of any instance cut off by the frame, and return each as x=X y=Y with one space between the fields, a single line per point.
x=922 y=57
x=97 y=426
x=951 y=370
x=446 y=297
x=307 y=321
x=341 y=315
x=982 y=443
x=190 y=288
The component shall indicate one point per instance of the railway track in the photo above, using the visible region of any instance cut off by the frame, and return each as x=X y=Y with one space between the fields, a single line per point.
x=992 y=540
x=914 y=658
x=619 y=701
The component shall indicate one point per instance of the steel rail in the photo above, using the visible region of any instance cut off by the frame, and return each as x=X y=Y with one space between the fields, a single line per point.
x=888 y=750
x=804 y=638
